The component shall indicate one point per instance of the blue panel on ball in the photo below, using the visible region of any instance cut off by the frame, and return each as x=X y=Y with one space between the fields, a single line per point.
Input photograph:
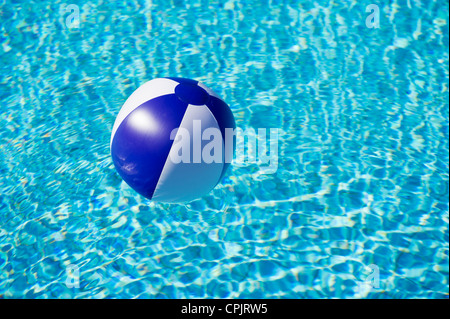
x=224 y=118
x=142 y=142
x=191 y=94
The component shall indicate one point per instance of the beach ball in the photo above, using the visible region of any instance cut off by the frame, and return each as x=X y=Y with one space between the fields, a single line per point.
x=173 y=140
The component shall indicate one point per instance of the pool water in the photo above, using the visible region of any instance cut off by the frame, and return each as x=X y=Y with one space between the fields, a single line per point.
x=358 y=207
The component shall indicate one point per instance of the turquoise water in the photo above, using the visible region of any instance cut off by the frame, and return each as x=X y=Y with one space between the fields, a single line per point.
x=362 y=182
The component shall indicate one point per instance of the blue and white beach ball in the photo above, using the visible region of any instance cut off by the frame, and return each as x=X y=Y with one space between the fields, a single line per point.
x=171 y=140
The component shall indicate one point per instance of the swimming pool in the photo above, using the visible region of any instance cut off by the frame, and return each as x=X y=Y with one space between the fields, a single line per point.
x=357 y=208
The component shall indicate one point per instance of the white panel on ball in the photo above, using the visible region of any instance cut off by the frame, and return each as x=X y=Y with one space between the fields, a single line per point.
x=181 y=182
